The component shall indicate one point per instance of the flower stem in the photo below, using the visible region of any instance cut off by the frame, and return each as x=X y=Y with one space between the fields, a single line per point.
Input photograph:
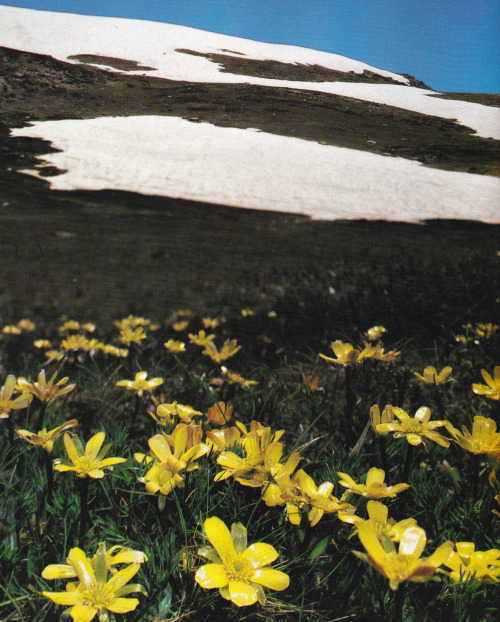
x=84 y=494
x=382 y=454
x=349 y=398
x=438 y=398
x=475 y=476
x=50 y=475
x=407 y=465
x=399 y=599
x=41 y=416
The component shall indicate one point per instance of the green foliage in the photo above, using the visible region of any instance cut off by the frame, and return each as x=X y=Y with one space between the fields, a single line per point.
x=327 y=582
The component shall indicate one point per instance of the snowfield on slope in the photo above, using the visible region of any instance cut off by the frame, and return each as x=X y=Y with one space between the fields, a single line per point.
x=173 y=157
x=154 y=44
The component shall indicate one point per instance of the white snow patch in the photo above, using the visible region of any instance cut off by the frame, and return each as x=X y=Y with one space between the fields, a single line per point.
x=153 y=44
x=173 y=157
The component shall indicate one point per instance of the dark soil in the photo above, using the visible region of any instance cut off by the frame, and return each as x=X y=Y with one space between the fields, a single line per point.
x=486 y=99
x=276 y=70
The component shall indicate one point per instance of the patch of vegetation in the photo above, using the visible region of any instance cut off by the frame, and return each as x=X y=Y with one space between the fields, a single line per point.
x=486 y=99
x=116 y=63
x=137 y=380
x=277 y=70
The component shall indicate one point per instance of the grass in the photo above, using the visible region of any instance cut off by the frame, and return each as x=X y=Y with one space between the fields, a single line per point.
x=327 y=582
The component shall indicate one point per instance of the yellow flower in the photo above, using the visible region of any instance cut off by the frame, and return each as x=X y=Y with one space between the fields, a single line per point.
x=260 y=436
x=11 y=330
x=90 y=462
x=467 y=564
x=414 y=429
x=167 y=467
x=375 y=487
x=228 y=350
x=132 y=321
x=247 y=312
x=406 y=563
x=485 y=329
x=76 y=342
x=130 y=335
x=69 y=325
x=376 y=418
x=311 y=382
x=378 y=520
x=96 y=592
x=209 y=322
x=46 y=439
x=484 y=438
x=165 y=413
x=47 y=391
x=220 y=413
x=110 y=557
x=42 y=343
x=379 y=354
x=375 y=332
x=492 y=387
x=193 y=439
x=140 y=384
x=26 y=325
x=239 y=572
x=318 y=499
x=201 y=339
x=346 y=353
x=175 y=346
x=430 y=375
x=114 y=351
x=234 y=378
x=6 y=403
x=220 y=440
x=180 y=326
x=243 y=469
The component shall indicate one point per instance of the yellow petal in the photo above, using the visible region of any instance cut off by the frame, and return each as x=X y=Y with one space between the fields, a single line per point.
x=441 y=554
x=94 y=445
x=211 y=576
x=259 y=554
x=242 y=594
x=123 y=605
x=219 y=536
x=58 y=571
x=375 y=476
x=423 y=414
x=413 y=542
x=370 y=541
x=83 y=613
x=271 y=578
x=95 y=474
x=70 y=448
x=414 y=439
x=65 y=598
x=160 y=447
x=377 y=511
x=82 y=566
x=122 y=577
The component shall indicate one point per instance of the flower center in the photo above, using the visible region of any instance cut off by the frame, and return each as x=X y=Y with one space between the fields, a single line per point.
x=84 y=464
x=98 y=596
x=238 y=569
x=414 y=426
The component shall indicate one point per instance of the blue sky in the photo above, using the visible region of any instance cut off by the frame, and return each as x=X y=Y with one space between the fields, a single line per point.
x=452 y=45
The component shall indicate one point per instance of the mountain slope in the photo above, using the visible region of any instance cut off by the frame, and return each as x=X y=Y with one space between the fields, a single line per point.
x=128 y=68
